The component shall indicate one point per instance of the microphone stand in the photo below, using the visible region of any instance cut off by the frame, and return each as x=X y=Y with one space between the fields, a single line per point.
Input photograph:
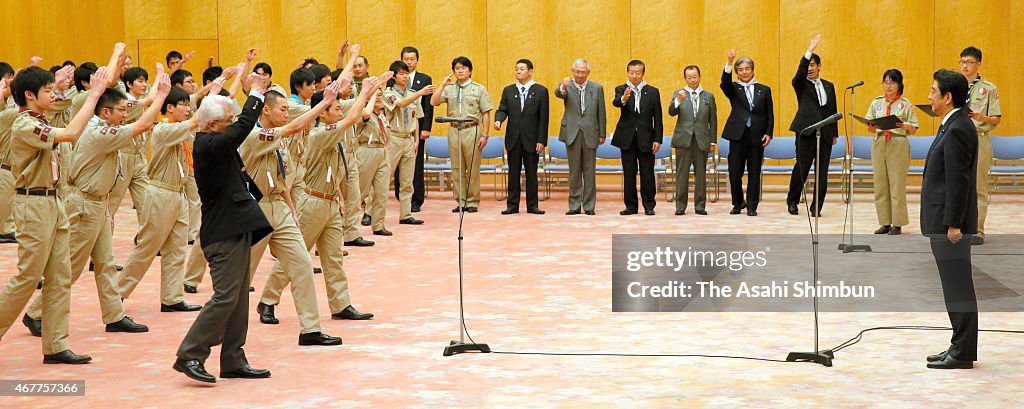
x=461 y=346
x=850 y=247
x=823 y=357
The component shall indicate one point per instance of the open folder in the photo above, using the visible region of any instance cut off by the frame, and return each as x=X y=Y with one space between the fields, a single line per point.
x=883 y=123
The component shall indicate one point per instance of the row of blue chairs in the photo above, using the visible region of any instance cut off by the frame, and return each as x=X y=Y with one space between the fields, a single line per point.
x=1008 y=154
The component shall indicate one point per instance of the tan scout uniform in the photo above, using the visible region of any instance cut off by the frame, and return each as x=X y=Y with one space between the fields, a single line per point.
x=319 y=217
x=403 y=144
x=265 y=157
x=42 y=233
x=374 y=170
x=133 y=163
x=350 y=185
x=59 y=118
x=466 y=100
x=984 y=98
x=297 y=151
x=890 y=159
x=91 y=177
x=6 y=177
x=164 y=226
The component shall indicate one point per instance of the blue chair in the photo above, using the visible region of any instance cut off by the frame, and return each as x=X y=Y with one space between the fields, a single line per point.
x=1007 y=159
x=609 y=152
x=721 y=165
x=494 y=149
x=557 y=162
x=664 y=166
x=438 y=160
x=919 y=146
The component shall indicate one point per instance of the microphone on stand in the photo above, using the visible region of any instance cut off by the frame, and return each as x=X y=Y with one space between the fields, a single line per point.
x=855 y=85
x=832 y=119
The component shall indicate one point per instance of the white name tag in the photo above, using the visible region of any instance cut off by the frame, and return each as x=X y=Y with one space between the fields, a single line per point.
x=270 y=179
x=328 y=174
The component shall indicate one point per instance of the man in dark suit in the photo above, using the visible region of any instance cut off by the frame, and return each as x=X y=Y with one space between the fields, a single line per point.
x=418 y=81
x=817 y=100
x=231 y=223
x=749 y=129
x=949 y=214
x=525 y=105
x=638 y=135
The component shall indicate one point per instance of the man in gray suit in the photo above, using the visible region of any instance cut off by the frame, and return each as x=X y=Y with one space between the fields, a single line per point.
x=696 y=132
x=583 y=129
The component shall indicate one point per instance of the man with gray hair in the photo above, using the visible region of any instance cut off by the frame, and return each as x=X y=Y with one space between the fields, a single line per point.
x=232 y=222
x=583 y=129
x=749 y=129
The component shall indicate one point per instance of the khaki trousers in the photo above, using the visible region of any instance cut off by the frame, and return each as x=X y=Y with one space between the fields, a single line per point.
x=890 y=161
x=402 y=156
x=165 y=230
x=133 y=167
x=352 y=194
x=462 y=146
x=6 y=201
x=374 y=179
x=984 y=165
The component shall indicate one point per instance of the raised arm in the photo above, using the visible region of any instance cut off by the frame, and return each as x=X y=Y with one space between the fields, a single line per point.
x=341 y=56
x=145 y=122
x=97 y=84
x=114 y=65
x=354 y=113
x=436 y=99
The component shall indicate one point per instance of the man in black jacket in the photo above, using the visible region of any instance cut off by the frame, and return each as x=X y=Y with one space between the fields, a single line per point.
x=525 y=105
x=638 y=134
x=749 y=129
x=817 y=100
x=949 y=214
x=231 y=223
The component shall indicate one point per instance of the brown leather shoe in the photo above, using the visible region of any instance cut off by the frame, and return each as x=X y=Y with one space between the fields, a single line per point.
x=382 y=232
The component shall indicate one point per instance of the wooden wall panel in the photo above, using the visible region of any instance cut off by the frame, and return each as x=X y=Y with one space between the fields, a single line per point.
x=82 y=31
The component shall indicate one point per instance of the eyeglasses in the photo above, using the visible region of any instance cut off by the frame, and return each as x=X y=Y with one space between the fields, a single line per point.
x=968 y=62
x=890 y=83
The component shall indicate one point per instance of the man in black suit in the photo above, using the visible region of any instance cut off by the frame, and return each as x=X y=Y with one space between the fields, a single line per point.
x=417 y=81
x=638 y=134
x=231 y=223
x=949 y=214
x=749 y=129
x=817 y=100
x=525 y=105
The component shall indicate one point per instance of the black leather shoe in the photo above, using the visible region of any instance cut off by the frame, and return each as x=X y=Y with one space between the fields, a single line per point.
x=896 y=231
x=318 y=270
x=680 y=212
x=534 y=211
x=8 y=238
x=626 y=212
x=266 y=313
x=39 y=286
x=180 y=307
x=127 y=325
x=590 y=212
x=191 y=289
x=318 y=338
x=366 y=219
x=118 y=268
x=252 y=289
x=572 y=212
x=246 y=372
x=35 y=327
x=735 y=210
x=510 y=211
x=816 y=213
x=977 y=240
x=793 y=209
x=471 y=209
x=951 y=363
x=751 y=212
x=415 y=209
x=191 y=242
x=410 y=220
x=359 y=242
x=884 y=229
x=193 y=369
x=649 y=212
x=350 y=313
x=66 y=357
x=701 y=212
x=938 y=357
x=383 y=232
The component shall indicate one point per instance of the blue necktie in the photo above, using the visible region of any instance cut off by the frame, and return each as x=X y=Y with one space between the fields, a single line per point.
x=750 y=100
x=344 y=161
x=280 y=164
x=522 y=97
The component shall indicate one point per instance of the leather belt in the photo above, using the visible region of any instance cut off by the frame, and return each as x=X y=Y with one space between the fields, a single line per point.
x=166 y=186
x=5 y=166
x=36 y=191
x=467 y=125
x=322 y=195
x=90 y=196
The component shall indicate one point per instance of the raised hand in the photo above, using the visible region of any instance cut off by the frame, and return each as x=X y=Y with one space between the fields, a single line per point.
x=119 y=48
x=387 y=75
x=344 y=48
x=627 y=94
x=346 y=84
x=255 y=82
x=34 y=61
x=732 y=56
x=565 y=82
x=159 y=70
x=251 y=55
x=448 y=79
x=331 y=92
x=218 y=85
x=64 y=74
x=370 y=84
x=187 y=56
x=98 y=82
x=427 y=90
x=814 y=43
x=355 y=49
x=163 y=85
x=230 y=72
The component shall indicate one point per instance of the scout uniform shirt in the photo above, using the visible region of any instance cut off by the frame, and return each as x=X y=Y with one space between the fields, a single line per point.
x=403 y=120
x=265 y=158
x=34 y=164
x=901 y=107
x=467 y=100
x=374 y=132
x=96 y=165
x=296 y=143
x=6 y=122
x=326 y=166
x=168 y=163
x=984 y=97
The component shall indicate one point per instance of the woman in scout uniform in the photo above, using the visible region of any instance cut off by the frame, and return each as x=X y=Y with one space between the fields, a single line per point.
x=890 y=154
